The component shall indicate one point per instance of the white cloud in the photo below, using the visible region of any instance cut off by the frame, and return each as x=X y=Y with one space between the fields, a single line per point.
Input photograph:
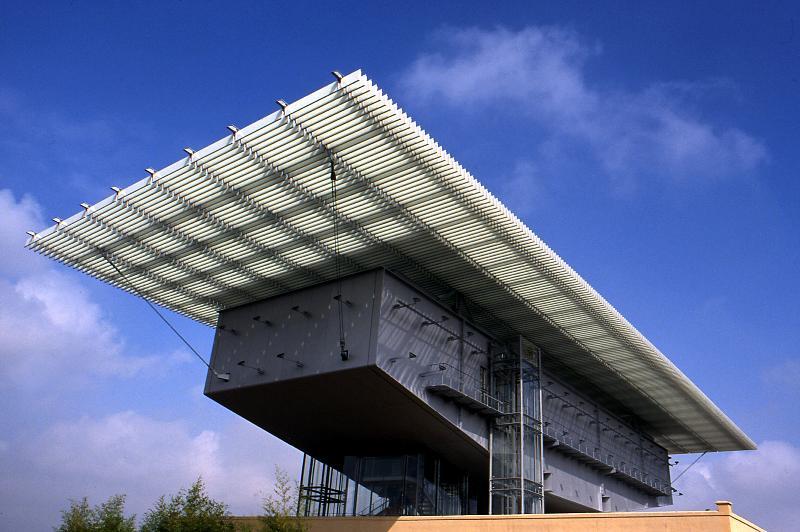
x=784 y=376
x=51 y=331
x=762 y=484
x=68 y=151
x=523 y=189
x=16 y=217
x=540 y=71
x=140 y=456
x=54 y=338
x=50 y=327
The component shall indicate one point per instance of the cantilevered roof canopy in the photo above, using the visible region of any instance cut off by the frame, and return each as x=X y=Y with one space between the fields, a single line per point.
x=251 y=216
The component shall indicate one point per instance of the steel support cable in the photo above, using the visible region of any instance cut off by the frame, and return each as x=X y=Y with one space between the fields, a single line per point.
x=323 y=206
x=222 y=376
x=79 y=263
x=252 y=205
x=343 y=352
x=689 y=467
x=143 y=247
x=171 y=258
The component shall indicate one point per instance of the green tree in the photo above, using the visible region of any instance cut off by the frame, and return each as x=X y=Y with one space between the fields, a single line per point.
x=280 y=508
x=191 y=510
x=77 y=518
x=107 y=517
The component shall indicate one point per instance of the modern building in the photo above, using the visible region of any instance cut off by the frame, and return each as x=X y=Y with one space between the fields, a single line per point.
x=377 y=308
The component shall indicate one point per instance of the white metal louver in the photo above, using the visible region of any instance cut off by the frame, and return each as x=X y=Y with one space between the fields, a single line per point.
x=250 y=216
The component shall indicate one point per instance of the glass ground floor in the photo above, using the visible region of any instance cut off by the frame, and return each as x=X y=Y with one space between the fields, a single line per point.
x=406 y=484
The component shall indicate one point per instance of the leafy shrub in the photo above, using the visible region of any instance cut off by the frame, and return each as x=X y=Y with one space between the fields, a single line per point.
x=191 y=510
x=107 y=517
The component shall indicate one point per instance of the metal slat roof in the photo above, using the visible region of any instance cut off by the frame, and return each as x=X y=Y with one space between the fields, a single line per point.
x=250 y=216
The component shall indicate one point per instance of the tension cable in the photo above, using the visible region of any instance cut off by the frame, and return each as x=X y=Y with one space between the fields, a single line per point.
x=688 y=467
x=222 y=376
x=343 y=352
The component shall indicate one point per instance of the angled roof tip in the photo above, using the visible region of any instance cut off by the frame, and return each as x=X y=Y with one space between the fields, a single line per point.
x=338 y=75
x=233 y=129
x=282 y=103
x=189 y=151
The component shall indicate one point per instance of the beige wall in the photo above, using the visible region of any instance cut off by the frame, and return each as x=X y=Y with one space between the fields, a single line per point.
x=721 y=520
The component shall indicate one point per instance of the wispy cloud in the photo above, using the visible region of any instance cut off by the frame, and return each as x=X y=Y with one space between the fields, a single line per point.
x=16 y=217
x=783 y=377
x=632 y=135
x=69 y=152
x=523 y=187
x=761 y=484
x=49 y=325
x=139 y=455
x=56 y=339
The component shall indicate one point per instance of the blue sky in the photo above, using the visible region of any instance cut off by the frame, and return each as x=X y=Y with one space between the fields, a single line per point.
x=652 y=145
